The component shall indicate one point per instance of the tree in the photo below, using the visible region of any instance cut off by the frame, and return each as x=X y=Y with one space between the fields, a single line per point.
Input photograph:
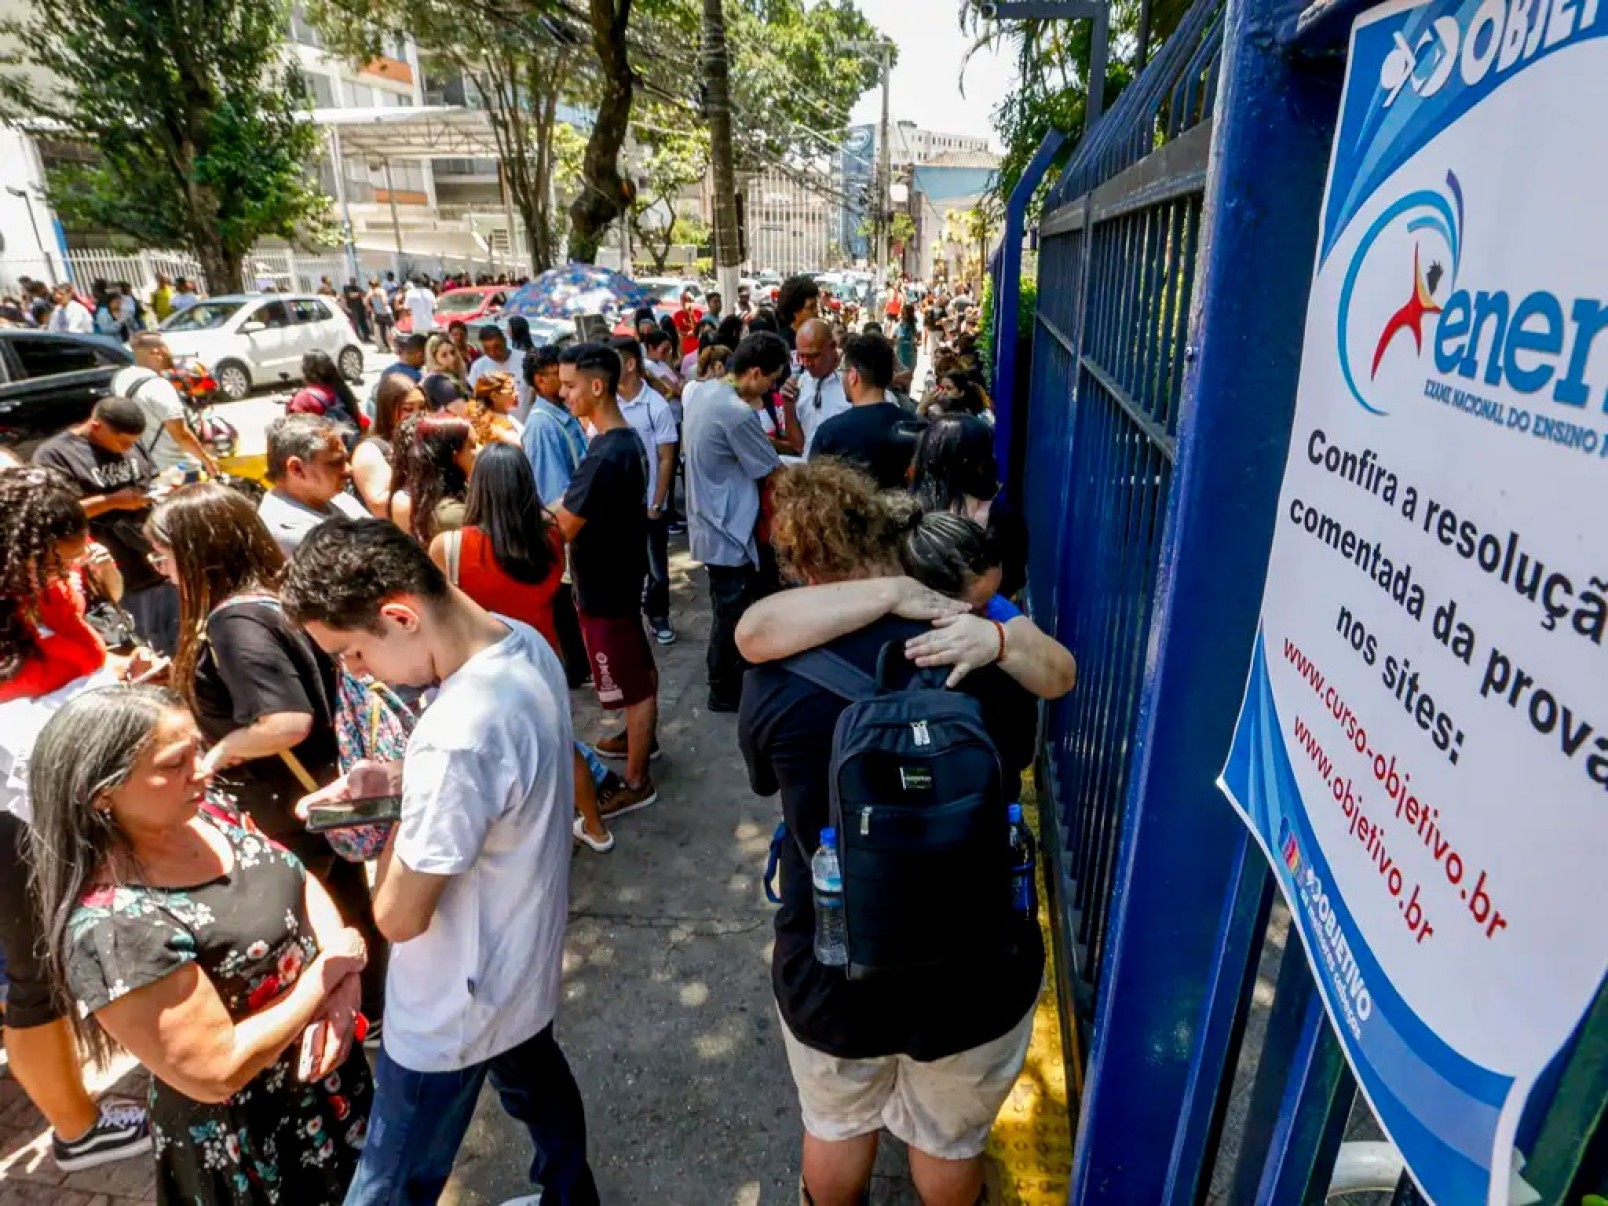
x=1052 y=62
x=521 y=63
x=675 y=156
x=605 y=193
x=194 y=117
x=717 y=85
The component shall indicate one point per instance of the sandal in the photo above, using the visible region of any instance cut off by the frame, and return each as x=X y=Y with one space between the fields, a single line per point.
x=592 y=843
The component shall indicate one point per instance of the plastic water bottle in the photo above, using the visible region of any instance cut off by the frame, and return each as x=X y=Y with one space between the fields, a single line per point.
x=1024 y=858
x=831 y=934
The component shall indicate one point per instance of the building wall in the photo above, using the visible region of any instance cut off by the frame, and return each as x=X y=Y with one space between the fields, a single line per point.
x=790 y=227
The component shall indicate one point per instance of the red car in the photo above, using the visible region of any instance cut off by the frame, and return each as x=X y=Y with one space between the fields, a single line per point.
x=472 y=305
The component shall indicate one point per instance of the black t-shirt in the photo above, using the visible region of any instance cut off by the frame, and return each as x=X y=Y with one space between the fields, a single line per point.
x=880 y=438
x=256 y=662
x=97 y=471
x=786 y=729
x=609 y=557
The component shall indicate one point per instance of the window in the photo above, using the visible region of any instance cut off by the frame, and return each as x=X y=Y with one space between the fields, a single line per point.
x=307 y=309
x=359 y=96
x=321 y=88
x=301 y=29
x=52 y=357
x=271 y=314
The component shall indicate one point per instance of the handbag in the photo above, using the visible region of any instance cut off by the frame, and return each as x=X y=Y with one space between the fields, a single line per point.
x=114 y=626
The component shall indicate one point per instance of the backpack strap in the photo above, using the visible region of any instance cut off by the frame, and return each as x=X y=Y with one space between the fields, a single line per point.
x=454 y=554
x=833 y=673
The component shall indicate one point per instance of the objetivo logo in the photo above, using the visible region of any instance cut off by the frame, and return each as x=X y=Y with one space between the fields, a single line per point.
x=1416 y=241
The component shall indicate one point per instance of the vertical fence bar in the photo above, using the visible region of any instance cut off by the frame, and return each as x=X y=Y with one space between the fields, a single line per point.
x=1175 y=863
x=1302 y=1096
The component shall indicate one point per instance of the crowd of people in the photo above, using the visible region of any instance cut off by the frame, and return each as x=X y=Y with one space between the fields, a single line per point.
x=188 y=670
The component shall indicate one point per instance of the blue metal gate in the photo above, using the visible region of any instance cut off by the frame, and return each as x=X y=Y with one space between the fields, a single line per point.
x=1173 y=273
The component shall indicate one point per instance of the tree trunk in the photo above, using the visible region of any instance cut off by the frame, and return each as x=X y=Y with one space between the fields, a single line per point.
x=605 y=194
x=728 y=254
x=221 y=265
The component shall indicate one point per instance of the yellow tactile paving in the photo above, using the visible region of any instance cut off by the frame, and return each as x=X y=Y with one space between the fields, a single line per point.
x=1032 y=1137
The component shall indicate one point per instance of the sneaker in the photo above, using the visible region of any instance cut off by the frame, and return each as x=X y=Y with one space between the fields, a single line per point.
x=615 y=747
x=598 y=845
x=677 y=528
x=662 y=632
x=626 y=798
x=372 y=1036
x=121 y=1131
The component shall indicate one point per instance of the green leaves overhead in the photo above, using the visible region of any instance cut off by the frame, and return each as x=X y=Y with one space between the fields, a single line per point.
x=187 y=115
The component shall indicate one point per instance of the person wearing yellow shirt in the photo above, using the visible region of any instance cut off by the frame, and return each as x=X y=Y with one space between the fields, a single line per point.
x=162 y=298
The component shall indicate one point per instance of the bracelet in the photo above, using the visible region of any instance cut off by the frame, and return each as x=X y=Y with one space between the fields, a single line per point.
x=1000 y=656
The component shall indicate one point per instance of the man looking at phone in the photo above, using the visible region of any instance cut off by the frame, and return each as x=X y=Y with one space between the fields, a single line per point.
x=113 y=475
x=473 y=884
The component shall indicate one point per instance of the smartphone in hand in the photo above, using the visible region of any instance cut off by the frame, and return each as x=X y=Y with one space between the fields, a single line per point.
x=369 y=810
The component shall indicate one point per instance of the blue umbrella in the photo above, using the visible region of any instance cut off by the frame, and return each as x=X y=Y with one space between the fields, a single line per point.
x=576 y=289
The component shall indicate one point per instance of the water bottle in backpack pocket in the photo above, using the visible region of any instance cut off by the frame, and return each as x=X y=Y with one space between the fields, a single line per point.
x=922 y=837
x=831 y=945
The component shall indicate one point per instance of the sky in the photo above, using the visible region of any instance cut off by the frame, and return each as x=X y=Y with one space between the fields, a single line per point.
x=926 y=81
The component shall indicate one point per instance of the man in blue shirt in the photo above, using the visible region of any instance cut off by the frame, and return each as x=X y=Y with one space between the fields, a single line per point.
x=555 y=442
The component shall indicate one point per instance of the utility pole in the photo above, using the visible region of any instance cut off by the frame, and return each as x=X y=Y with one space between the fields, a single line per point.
x=717 y=99
x=885 y=169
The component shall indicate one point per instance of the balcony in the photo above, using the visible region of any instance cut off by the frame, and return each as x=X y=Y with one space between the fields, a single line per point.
x=396 y=71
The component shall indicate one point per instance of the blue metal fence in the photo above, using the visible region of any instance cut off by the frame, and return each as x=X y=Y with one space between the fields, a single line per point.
x=1174 y=263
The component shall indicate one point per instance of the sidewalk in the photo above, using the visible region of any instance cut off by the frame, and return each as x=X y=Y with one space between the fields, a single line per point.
x=667 y=1015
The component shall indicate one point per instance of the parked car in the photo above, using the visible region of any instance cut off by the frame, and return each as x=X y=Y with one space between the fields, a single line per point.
x=666 y=293
x=471 y=304
x=49 y=381
x=255 y=339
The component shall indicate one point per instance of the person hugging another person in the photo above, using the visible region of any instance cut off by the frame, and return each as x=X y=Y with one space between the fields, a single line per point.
x=929 y=1053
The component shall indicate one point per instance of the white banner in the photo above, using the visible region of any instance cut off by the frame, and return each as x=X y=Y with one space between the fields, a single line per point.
x=1423 y=747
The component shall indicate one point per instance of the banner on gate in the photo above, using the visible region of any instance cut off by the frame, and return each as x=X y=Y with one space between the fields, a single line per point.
x=1423 y=746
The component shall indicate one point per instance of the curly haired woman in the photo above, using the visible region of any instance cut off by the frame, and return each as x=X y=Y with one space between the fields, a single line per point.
x=47 y=651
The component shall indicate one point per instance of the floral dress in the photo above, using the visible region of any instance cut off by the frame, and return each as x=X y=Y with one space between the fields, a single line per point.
x=277 y=1140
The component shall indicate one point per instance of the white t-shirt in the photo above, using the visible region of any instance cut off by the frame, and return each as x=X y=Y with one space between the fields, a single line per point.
x=487 y=796
x=828 y=391
x=514 y=366
x=21 y=722
x=653 y=420
x=160 y=403
x=420 y=303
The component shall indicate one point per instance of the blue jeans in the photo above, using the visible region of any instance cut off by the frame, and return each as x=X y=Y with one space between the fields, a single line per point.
x=419 y=1120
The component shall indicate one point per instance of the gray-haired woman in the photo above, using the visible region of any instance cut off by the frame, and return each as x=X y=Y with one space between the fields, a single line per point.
x=204 y=950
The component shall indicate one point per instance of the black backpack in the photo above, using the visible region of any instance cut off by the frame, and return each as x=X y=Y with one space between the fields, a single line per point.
x=919 y=806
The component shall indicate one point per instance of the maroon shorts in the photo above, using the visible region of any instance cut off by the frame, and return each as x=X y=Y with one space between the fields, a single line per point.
x=623 y=672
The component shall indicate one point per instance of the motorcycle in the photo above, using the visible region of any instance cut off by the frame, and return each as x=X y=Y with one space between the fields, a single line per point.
x=199 y=390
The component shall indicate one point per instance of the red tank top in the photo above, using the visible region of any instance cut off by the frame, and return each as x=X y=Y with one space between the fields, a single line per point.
x=488 y=584
x=66 y=647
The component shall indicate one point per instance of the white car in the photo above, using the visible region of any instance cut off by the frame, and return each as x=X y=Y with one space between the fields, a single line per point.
x=254 y=339
x=667 y=291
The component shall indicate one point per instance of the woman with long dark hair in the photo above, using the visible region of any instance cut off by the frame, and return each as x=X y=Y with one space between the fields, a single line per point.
x=47 y=651
x=509 y=558
x=325 y=392
x=519 y=334
x=458 y=335
x=956 y=470
x=204 y=950
x=397 y=399
x=435 y=456
x=262 y=693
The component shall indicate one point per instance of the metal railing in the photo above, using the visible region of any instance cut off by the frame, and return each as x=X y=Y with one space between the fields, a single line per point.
x=1174 y=268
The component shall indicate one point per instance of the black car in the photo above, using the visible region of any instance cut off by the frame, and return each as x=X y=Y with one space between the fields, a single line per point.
x=51 y=380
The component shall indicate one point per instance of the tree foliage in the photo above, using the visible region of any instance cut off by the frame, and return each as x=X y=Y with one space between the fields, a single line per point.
x=675 y=156
x=1052 y=61
x=522 y=64
x=192 y=114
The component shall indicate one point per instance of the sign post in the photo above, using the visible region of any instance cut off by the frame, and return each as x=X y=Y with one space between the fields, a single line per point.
x=1423 y=746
